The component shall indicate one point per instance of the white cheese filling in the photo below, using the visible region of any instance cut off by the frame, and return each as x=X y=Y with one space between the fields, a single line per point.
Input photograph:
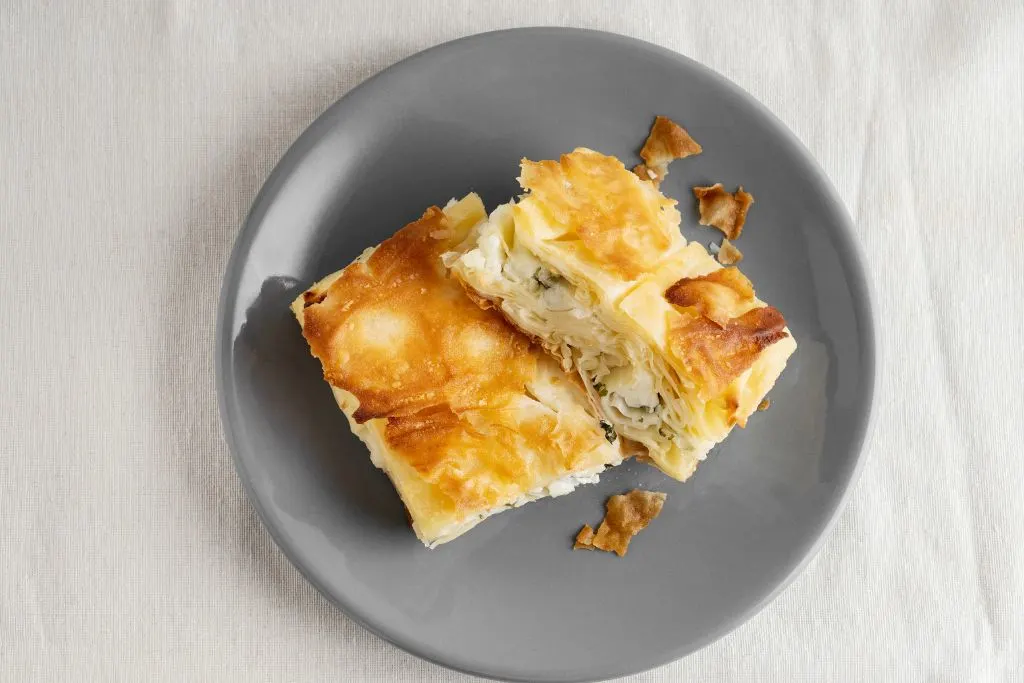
x=549 y=306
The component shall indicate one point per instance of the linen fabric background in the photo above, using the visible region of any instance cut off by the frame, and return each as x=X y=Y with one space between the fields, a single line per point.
x=133 y=138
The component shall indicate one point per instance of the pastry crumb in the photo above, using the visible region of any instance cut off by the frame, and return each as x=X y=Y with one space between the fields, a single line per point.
x=626 y=515
x=667 y=142
x=654 y=175
x=584 y=539
x=728 y=254
x=763 y=405
x=726 y=211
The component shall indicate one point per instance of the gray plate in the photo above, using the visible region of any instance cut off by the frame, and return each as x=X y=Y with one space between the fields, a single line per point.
x=509 y=599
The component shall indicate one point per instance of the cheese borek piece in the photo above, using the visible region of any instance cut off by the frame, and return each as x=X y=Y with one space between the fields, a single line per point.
x=673 y=349
x=462 y=411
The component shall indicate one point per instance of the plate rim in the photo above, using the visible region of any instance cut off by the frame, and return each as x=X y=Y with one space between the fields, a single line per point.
x=860 y=277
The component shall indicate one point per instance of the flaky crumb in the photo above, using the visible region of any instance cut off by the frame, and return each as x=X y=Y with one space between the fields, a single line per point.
x=654 y=175
x=726 y=211
x=584 y=539
x=763 y=405
x=667 y=141
x=728 y=254
x=625 y=516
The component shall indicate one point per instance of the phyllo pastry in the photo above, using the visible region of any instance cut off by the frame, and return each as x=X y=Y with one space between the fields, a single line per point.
x=673 y=349
x=462 y=411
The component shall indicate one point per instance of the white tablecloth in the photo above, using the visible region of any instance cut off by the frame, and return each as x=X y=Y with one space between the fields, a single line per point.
x=133 y=137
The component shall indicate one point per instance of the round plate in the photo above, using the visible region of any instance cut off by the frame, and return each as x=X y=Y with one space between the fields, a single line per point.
x=510 y=599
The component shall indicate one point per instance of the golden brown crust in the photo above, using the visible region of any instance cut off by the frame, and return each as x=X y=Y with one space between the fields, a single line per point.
x=472 y=457
x=667 y=141
x=728 y=254
x=626 y=516
x=713 y=342
x=715 y=295
x=717 y=354
x=606 y=209
x=392 y=332
x=764 y=404
x=726 y=211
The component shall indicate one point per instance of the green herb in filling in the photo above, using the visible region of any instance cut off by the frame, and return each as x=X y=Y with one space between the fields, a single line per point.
x=609 y=431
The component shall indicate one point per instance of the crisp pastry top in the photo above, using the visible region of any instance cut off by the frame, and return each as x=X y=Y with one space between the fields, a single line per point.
x=712 y=328
x=607 y=222
x=463 y=412
x=396 y=333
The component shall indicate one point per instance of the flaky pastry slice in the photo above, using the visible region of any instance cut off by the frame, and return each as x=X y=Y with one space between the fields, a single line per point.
x=673 y=349
x=462 y=411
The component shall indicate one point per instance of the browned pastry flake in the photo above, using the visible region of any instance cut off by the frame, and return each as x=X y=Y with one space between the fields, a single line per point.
x=584 y=539
x=654 y=174
x=667 y=142
x=726 y=211
x=714 y=295
x=626 y=515
x=728 y=254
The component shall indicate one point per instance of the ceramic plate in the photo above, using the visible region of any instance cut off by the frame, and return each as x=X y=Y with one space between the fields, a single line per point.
x=510 y=599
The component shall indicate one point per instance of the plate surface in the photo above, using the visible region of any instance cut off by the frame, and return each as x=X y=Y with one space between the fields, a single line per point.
x=509 y=599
